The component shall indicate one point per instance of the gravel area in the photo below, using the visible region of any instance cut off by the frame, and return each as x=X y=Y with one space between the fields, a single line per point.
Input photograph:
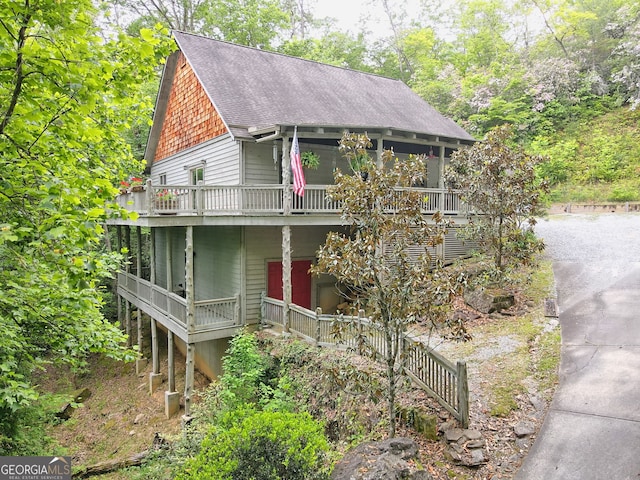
x=567 y=236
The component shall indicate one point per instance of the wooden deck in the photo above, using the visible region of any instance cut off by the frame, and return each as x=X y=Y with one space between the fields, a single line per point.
x=215 y=318
x=264 y=200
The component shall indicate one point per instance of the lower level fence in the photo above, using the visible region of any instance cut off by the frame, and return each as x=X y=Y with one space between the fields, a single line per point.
x=440 y=378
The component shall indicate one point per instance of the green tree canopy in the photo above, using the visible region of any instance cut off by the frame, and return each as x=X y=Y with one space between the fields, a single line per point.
x=65 y=98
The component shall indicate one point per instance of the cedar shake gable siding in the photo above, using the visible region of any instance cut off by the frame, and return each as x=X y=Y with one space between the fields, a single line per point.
x=190 y=118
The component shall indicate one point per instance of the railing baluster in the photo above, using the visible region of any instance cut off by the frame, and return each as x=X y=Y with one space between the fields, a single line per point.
x=446 y=382
x=222 y=199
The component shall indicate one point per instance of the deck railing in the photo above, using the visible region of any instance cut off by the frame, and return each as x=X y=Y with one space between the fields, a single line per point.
x=209 y=315
x=440 y=378
x=257 y=199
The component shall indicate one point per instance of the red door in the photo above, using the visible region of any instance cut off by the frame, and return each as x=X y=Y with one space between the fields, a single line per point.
x=300 y=282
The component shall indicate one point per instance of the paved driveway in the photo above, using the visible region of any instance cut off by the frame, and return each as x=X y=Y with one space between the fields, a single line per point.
x=592 y=430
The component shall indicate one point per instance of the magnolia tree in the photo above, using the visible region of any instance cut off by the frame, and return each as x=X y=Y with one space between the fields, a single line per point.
x=498 y=182
x=388 y=258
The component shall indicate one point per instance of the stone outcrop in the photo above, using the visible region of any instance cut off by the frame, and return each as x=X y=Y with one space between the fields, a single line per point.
x=422 y=422
x=386 y=460
x=78 y=396
x=465 y=447
x=489 y=300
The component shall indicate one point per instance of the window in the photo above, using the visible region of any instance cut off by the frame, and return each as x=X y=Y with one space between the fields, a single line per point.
x=163 y=179
x=196 y=175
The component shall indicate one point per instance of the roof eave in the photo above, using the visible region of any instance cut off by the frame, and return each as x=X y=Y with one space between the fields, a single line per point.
x=272 y=132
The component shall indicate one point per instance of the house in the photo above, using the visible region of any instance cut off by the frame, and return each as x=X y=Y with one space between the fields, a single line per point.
x=224 y=225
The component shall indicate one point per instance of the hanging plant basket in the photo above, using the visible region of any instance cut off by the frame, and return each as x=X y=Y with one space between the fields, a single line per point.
x=310 y=160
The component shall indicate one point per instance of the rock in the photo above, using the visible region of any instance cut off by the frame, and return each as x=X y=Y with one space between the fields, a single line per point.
x=448 y=425
x=551 y=326
x=469 y=458
x=538 y=404
x=476 y=459
x=464 y=316
x=402 y=447
x=472 y=434
x=78 y=396
x=466 y=447
x=480 y=443
x=489 y=300
x=523 y=444
x=550 y=308
x=138 y=418
x=524 y=429
x=453 y=435
x=461 y=436
x=454 y=453
x=422 y=422
x=386 y=460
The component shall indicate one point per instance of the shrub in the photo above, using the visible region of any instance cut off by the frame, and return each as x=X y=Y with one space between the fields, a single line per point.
x=244 y=371
x=262 y=446
x=623 y=193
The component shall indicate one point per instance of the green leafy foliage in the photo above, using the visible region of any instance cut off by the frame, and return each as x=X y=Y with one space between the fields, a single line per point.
x=593 y=159
x=247 y=425
x=67 y=97
x=24 y=431
x=262 y=446
x=247 y=22
x=244 y=371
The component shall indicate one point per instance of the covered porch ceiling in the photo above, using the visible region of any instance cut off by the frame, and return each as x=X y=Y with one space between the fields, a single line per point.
x=401 y=141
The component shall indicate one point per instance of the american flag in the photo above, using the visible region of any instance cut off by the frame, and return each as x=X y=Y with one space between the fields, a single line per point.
x=296 y=166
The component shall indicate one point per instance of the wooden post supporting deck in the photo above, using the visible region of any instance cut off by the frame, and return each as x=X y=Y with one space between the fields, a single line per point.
x=188 y=380
x=286 y=274
x=155 y=377
x=127 y=267
x=119 y=298
x=152 y=256
x=168 y=259
x=154 y=347
x=190 y=320
x=441 y=168
x=286 y=232
x=379 y=152
x=139 y=275
x=171 y=362
x=139 y=252
x=127 y=320
x=171 y=397
x=286 y=176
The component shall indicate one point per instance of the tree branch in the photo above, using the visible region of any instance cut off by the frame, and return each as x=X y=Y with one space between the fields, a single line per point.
x=22 y=36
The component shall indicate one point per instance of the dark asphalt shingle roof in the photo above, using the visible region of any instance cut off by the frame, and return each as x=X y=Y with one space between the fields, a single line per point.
x=255 y=88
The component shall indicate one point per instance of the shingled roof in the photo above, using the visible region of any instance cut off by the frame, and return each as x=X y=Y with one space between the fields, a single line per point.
x=254 y=89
